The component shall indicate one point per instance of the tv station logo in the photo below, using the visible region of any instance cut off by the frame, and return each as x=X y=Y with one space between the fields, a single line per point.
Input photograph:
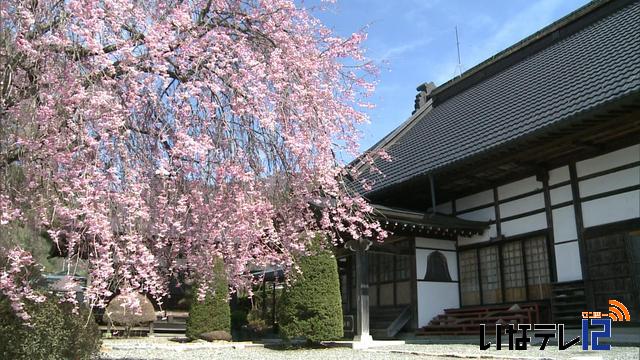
x=595 y=327
x=617 y=312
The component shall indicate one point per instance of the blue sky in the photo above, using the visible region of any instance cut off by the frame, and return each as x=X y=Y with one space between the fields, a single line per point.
x=413 y=41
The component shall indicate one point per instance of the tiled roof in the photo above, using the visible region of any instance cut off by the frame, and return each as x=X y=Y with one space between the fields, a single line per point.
x=594 y=65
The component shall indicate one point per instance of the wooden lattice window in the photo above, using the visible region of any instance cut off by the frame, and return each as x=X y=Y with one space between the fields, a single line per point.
x=386 y=267
x=469 y=286
x=490 y=275
x=403 y=267
x=373 y=267
x=536 y=257
x=513 y=272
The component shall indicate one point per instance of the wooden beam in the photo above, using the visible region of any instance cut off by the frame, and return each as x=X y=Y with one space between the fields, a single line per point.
x=496 y=206
x=414 y=285
x=588 y=145
x=479 y=275
x=582 y=247
x=551 y=247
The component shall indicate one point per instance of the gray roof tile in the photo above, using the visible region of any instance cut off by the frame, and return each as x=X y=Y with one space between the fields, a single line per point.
x=594 y=65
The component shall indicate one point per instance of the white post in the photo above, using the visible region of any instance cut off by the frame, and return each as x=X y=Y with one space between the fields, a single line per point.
x=362 y=337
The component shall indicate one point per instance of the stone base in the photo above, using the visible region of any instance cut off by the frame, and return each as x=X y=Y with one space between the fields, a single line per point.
x=361 y=342
x=363 y=338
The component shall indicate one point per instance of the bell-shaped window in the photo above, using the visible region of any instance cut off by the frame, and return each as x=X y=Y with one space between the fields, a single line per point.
x=437 y=269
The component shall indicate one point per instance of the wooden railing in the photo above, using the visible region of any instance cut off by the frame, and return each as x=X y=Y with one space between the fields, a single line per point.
x=399 y=322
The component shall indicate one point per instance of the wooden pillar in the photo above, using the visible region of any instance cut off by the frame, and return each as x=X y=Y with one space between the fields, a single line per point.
x=496 y=206
x=264 y=298
x=582 y=246
x=551 y=247
x=414 y=285
x=273 y=303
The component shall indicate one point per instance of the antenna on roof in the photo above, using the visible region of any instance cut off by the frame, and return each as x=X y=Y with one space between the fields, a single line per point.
x=459 y=68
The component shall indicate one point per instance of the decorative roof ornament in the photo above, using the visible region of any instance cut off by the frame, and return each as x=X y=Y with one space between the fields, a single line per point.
x=423 y=96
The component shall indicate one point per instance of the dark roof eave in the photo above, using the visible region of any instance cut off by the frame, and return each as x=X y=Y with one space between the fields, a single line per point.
x=391 y=217
x=629 y=99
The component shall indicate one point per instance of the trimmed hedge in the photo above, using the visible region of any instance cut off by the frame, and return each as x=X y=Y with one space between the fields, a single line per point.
x=55 y=333
x=212 y=314
x=311 y=307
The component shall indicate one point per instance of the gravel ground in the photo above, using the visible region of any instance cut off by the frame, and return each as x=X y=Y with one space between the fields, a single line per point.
x=162 y=349
x=473 y=351
x=252 y=353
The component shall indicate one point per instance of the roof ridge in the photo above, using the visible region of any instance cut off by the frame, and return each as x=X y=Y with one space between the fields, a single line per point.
x=448 y=89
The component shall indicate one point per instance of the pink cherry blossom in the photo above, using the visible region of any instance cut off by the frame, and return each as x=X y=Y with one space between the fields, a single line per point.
x=156 y=137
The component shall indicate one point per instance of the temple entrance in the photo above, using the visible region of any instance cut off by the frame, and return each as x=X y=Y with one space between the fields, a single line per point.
x=379 y=280
x=390 y=285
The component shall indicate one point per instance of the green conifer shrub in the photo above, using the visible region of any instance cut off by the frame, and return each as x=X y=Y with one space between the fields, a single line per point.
x=212 y=314
x=311 y=305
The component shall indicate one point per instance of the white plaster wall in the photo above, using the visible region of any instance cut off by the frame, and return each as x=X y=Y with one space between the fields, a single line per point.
x=524 y=225
x=421 y=263
x=568 y=262
x=611 y=209
x=479 y=199
x=564 y=224
x=484 y=214
x=433 y=298
x=518 y=187
x=617 y=180
x=559 y=175
x=561 y=194
x=444 y=208
x=435 y=243
x=519 y=206
x=595 y=212
x=608 y=161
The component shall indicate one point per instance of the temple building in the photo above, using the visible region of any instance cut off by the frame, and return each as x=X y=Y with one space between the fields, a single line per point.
x=513 y=193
